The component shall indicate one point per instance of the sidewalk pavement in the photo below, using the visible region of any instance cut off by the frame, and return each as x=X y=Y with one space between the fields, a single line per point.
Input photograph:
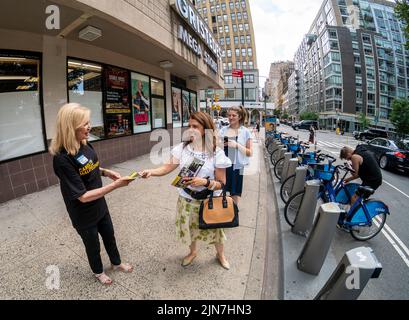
x=36 y=233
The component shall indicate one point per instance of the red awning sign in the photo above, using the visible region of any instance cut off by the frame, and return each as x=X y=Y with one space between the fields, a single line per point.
x=237 y=73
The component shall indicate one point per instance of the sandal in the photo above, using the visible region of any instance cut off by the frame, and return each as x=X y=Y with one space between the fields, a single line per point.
x=104 y=279
x=188 y=260
x=223 y=262
x=124 y=267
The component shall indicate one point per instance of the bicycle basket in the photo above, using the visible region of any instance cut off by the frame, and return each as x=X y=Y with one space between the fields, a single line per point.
x=293 y=147
x=308 y=158
x=324 y=175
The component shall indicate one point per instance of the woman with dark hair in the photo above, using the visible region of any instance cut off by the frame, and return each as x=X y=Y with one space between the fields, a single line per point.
x=312 y=135
x=238 y=146
x=201 y=145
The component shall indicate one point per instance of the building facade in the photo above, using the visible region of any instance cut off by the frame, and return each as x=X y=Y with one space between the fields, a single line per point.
x=138 y=65
x=274 y=76
x=293 y=95
x=352 y=61
x=281 y=89
x=231 y=24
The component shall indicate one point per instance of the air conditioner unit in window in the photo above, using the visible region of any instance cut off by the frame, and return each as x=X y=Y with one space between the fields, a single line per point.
x=90 y=33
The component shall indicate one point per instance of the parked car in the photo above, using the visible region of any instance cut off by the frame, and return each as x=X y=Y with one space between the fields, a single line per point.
x=306 y=124
x=370 y=134
x=389 y=153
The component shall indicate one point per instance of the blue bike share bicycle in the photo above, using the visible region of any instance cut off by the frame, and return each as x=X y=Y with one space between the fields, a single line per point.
x=366 y=217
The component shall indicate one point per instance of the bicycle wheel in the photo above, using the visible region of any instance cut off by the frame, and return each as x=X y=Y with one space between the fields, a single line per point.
x=362 y=229
x=336 y=178
x=272 y=157
x=363 y=233
x=270 y=147
x=292 y=207
x=286 y=188
x=278 y=169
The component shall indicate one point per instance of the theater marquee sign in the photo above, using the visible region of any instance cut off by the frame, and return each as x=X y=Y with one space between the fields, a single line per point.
x=189 y=14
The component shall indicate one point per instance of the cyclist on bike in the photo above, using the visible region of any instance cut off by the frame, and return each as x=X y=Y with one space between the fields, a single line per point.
x=365 y=166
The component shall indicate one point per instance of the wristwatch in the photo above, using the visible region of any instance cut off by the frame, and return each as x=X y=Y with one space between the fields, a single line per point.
x=208 y=182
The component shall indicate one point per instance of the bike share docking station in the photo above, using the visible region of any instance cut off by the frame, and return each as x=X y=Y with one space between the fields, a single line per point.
x=304 y=219
x=280 y=153
x=352 y=274
x=284 y=171
x=299 y=181
x=316 y=247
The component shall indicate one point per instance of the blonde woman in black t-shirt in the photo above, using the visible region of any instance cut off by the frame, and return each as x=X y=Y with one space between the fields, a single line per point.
x=76 y=165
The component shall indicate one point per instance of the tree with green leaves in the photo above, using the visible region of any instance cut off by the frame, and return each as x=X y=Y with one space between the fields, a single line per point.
x=363 y=121
x=285 y=116
x=277 y=112
x=402 y=12
x=309 y=116
x=400 y=116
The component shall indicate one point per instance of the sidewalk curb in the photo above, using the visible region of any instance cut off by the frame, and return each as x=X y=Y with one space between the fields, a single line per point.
x=273 y=288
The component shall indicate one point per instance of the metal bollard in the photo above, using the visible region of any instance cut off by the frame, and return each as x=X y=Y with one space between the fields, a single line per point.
x=305 y=216
x=287 y=158
x=315 y=250
x=352 y=274
x=299 y=181
x=293 y=164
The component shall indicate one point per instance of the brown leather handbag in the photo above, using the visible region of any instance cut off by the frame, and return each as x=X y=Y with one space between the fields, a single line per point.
x=218 y=212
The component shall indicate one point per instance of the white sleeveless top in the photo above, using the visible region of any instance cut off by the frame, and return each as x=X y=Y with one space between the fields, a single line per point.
x=217 y=160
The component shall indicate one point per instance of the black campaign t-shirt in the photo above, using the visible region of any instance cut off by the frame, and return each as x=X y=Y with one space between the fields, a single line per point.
x=79 y=174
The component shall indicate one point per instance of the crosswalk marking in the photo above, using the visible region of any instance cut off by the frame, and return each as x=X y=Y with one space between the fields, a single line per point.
x=333 y=145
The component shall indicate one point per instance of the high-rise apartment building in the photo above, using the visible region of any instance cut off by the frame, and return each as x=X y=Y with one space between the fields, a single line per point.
x=231 y=24
x=274 y=76
x=281 y=89
x=351 y=61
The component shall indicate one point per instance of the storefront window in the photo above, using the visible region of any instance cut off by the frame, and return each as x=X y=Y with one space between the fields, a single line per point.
x=118 y=114
x=193 y=102
x=21 y=130
x=141 y=108
x=85 y=88
x=158 y=87
x=158 y=103
x=158 y=109
x=185 y=109
x=176 y=107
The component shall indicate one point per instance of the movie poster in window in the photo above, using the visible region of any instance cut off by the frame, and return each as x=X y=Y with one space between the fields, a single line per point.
x=117 y=109
x=185 y=105
x=176 y=107
x=193 y=102
x=141 y=108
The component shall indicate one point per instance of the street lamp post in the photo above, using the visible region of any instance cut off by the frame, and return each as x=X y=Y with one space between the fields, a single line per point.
x=265 y=107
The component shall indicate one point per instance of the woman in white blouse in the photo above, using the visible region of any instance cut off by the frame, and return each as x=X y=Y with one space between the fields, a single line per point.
x=212 y=176
x=238 y=146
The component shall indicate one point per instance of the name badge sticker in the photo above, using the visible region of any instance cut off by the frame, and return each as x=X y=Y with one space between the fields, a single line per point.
x=82 y=160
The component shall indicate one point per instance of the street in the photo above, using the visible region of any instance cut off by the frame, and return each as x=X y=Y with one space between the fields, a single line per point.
x=391 y=245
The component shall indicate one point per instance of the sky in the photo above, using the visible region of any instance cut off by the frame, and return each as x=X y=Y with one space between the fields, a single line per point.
x=279 y=27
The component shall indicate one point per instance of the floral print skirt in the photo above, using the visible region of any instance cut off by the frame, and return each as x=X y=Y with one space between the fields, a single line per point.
x=187 y=224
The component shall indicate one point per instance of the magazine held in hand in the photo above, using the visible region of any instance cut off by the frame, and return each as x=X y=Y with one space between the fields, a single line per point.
x=189 y=170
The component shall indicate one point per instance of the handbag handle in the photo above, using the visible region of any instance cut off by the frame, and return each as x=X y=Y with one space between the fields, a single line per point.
x=224 y=201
